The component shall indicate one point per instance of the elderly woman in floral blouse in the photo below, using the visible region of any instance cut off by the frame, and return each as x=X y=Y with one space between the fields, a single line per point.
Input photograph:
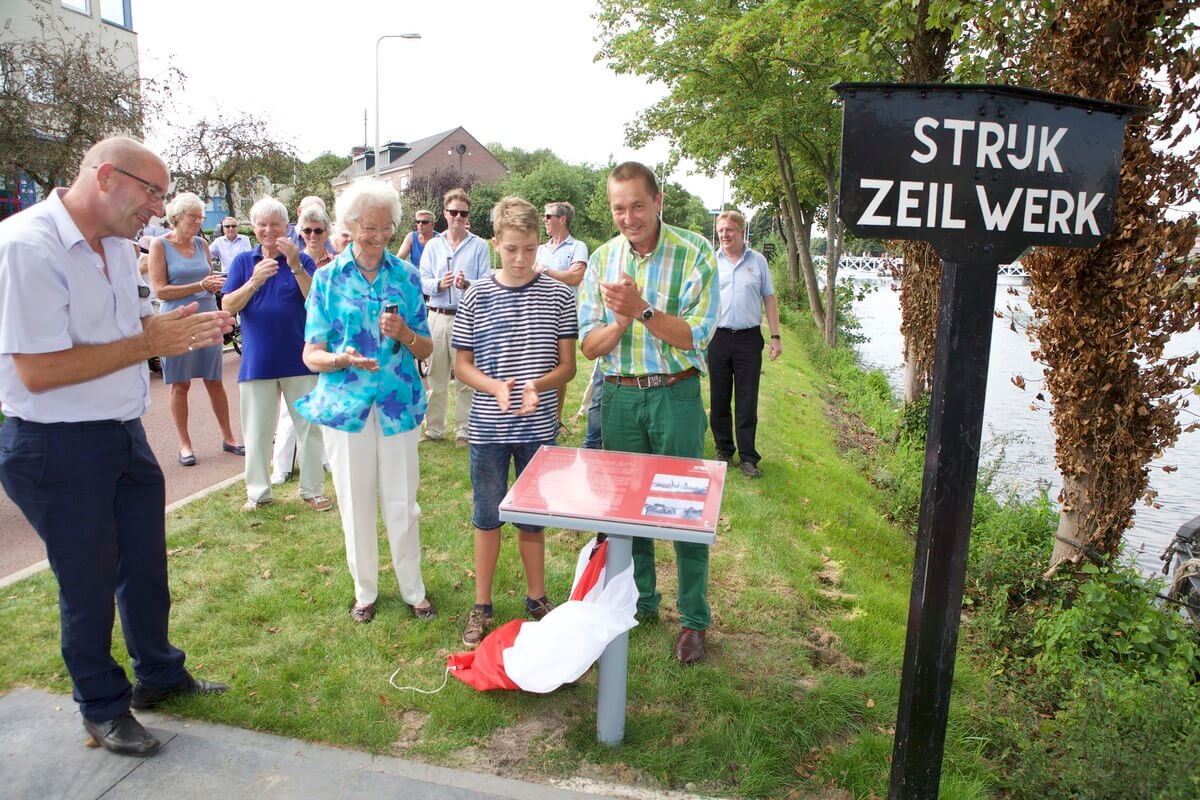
x=366 y=329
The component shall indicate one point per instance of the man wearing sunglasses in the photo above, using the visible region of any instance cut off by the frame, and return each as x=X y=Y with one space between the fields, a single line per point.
x=564 y=258
x=76 y=331
x=449 y=264
x=413 y=245
x=230 y=243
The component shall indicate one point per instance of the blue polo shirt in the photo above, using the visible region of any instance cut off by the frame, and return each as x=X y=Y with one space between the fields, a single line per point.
x=744 y=285
x=272 y=321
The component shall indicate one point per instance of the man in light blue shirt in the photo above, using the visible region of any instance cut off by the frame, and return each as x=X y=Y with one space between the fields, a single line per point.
x=230 y=243
x=76 y=330
x=735 y=353
x=564 y=258
x=449 y=264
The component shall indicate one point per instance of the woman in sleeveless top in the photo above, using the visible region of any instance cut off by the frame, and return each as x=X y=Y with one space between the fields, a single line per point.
x=414 y=244
x=180 y=275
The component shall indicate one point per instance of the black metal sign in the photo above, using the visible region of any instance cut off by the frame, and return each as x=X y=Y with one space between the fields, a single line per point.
x=979 y=171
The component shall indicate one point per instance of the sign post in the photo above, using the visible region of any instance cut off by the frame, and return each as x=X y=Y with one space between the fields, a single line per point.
x=982 y=173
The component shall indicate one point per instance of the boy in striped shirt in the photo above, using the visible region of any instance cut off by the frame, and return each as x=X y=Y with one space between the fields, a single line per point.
x=515 y=335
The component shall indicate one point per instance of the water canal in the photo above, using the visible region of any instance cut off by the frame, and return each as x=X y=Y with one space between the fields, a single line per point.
x=1018 y=424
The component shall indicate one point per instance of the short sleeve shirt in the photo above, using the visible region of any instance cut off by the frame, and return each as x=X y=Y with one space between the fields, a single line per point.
x=273 y=319
x=743 y=287
x=569 y=251
x=343 y=311
x=678 y=278
x=54 y=296
x=513 y=332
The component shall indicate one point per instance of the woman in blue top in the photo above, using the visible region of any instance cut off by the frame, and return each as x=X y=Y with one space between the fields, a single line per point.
x=180 y=273
x=414 y=244
x=366 y=328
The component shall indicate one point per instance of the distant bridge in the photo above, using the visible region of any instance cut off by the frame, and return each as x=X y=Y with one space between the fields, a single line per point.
x=878 y=265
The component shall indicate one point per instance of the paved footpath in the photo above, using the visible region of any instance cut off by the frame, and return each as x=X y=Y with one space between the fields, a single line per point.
x=20 y=548
x=42 y=756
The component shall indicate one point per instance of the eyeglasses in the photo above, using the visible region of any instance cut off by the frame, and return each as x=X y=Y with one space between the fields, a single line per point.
x=458 y=212
x=552 y=216
x=371 y=230
x=424 y=222
x=229 y=226
x=311 y=231
x=156 y=194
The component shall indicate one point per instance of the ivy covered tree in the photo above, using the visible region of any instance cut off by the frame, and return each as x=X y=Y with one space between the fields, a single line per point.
x=61 y=92
x=1102 y=317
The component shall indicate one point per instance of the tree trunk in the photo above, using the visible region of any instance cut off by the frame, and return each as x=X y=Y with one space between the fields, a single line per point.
x=833 y=255
x=1068 y=546
x=801 y=225
x=793 y=254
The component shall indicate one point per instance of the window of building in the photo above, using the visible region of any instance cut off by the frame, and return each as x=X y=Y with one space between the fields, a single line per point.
x=403 y=183
x=116 y=12
x=82 y=6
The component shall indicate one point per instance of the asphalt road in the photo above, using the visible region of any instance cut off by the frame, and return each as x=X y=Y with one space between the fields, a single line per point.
x=19 y=545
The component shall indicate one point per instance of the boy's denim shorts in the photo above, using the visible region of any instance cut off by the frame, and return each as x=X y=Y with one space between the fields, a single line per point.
x=489 y=479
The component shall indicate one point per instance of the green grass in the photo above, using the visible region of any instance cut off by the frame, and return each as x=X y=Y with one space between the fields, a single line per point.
x=809 y=588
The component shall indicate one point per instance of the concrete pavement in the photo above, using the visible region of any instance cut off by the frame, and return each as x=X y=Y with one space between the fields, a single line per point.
x=42 y=755
x=20 y=548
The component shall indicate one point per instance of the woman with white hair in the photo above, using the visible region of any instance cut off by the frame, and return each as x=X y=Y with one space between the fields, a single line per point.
x=179 y=274
x=268 y=286
x=366 y=329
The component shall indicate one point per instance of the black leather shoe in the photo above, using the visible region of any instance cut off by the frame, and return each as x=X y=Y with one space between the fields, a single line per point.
x=689 y=647
x=124 y=735
x=149 y=696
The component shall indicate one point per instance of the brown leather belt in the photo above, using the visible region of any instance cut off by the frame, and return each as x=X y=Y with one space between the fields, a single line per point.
x=450 y=312
x=655 y=381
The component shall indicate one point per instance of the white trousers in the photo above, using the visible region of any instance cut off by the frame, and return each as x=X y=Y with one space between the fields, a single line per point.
x=284 y=456
x=367 y=466
x=441 y=327
x=260 y=413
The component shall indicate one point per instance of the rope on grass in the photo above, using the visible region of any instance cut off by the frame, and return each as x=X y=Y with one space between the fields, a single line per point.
x=445 y=679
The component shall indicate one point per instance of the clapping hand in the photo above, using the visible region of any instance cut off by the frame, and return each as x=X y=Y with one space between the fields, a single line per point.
x=357 y=361
x=529 y=399
x=290 y=251
x=623 y=298
x=212 y=283
x=264 y=271
x=182 y=330
x=502 y=391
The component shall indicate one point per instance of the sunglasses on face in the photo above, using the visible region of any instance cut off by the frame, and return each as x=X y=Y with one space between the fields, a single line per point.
x=424 y=222
x=552 y=216
x=458 y=212
x=311 y=231
x=229 y=226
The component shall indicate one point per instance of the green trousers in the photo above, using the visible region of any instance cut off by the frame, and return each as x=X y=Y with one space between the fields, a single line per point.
x=668 y=421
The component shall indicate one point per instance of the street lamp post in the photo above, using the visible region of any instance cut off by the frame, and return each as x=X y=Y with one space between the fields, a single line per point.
x=377 y=43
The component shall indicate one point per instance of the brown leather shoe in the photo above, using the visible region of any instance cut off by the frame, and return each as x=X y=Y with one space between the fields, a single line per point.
x=689 y=647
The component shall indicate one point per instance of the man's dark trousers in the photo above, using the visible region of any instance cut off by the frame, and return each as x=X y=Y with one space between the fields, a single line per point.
x=94 y=493
x=734 y=370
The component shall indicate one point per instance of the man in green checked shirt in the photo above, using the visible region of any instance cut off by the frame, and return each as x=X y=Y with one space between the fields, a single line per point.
x=649 y=308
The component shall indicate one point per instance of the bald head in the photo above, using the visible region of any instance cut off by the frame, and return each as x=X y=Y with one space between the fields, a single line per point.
x=120 y=150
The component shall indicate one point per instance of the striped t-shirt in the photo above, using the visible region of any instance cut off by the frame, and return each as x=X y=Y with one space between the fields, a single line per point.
x=514 y=333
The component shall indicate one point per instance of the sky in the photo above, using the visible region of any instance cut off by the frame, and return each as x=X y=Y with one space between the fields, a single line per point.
x=520 y=73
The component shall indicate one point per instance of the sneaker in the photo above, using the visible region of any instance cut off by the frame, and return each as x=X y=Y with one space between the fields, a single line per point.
x=318 y=503
x=254 y=505
x=461 y=441
x=538 y=608
x=477 y=626
x=280 y=478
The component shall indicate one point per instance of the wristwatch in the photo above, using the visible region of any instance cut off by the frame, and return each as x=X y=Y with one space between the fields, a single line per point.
x=647 y=314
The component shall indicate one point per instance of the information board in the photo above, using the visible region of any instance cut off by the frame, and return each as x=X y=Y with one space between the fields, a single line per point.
x=615 y=492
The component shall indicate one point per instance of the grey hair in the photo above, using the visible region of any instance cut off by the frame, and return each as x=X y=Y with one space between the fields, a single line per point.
x=268 y=207
x=365 y=193
x=181 y=204
x=313 y=213
x=563 y=209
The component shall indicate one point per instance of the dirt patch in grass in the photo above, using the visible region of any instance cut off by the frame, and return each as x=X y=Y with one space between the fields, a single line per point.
x=508 y=751
x=850 y=433
x=412 y=722
x=824 y=645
